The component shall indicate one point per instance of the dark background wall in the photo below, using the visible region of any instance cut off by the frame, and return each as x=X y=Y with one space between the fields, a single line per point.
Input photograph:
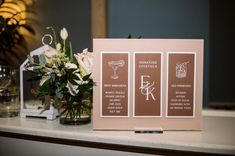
x=222 y=53
x=183 y=19
x=74 y=15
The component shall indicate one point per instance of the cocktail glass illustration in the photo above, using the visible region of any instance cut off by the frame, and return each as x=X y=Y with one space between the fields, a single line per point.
x=181 y=69
x=115 y=65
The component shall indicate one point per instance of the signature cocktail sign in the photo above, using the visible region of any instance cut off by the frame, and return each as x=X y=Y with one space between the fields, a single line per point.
x=147 y=83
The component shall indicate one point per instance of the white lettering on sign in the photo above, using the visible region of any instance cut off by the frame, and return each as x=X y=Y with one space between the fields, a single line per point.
x=147 y=87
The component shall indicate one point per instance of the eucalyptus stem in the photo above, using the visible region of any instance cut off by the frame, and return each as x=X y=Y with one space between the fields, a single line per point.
x=70 y=52
x=64 y=46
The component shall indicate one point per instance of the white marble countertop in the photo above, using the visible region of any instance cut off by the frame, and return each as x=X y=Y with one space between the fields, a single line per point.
x=217 y=136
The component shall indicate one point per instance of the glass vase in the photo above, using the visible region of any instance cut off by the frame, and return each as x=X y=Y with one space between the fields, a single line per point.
x=78 y=112
x=9 y=92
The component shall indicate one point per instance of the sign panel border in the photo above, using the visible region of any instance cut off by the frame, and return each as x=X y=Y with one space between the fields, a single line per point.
x=101 y=83
x=194 y=84
x=134 y=80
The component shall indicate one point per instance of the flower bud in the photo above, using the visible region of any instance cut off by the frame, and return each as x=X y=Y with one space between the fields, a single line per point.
x=64 y=34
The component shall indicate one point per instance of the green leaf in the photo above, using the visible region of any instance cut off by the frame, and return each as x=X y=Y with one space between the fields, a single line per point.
x=70 y=52
x=41 y=94
x=31 y=59
x=72 y=77
x=86 y=77
x=53 y=76
x=45 y=86
x=42 y=60
x=58 y=93
x=62 y=85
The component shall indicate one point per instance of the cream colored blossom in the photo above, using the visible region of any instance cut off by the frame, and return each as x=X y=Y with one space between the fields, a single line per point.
x=69 y=65
x=49 y=54
x=58 y=46
x=85 y=61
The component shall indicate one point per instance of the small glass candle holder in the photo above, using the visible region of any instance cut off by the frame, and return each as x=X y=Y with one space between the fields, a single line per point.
x=9 y=92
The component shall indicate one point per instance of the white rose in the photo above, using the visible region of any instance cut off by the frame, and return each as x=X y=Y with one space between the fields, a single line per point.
x=88 y=60
x=85 y=61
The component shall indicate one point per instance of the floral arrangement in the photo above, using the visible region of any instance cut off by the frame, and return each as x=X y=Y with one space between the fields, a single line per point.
x=63 y=74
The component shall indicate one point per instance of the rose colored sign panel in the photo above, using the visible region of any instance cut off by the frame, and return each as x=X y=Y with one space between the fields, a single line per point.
x=147 y=84
x=114 y=92
x=147 y=87
x=181 y=79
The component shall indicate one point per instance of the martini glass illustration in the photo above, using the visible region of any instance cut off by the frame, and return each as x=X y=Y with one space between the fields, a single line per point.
x=115 y=65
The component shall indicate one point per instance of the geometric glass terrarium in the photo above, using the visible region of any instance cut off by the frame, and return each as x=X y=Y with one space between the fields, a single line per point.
x=30 y=105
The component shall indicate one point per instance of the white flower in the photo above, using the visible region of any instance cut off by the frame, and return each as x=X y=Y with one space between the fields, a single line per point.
x=30 y=68
x=49 y=54
x=69 y=65
x=88 y=59
x=54 y=66
x=85 y=61
x=57 y=71
x=59 y=74
x=58 y=46
x=81 y=82
x=44 y=79
x=64 y=34
x=79 y=76
x=73 y=89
